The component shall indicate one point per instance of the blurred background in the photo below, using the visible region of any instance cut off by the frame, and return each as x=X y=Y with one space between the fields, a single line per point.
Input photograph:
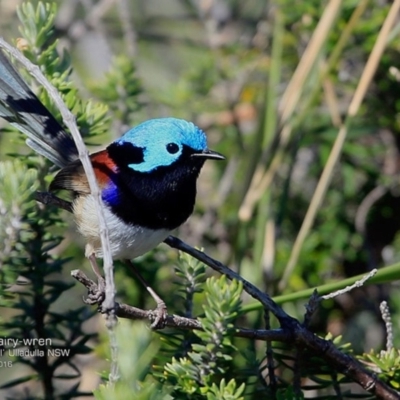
x=270 y=82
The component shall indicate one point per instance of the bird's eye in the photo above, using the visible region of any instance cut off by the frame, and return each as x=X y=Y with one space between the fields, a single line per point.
x=172 y=148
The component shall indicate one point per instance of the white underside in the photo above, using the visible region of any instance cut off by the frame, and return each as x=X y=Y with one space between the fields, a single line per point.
x=127 y=241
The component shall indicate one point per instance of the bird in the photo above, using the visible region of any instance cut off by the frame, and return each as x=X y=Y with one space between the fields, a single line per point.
x=147 y=177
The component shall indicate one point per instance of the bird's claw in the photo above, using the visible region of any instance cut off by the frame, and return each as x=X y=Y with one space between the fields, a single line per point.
x=96 y=293
x=160 y=314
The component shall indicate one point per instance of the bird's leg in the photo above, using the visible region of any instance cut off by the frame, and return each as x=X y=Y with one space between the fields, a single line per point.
x=161 y=310
x=96 y=297
x=96 y=270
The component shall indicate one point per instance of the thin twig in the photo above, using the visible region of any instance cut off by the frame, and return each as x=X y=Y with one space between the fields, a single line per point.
x=388 y=324
x=311 y=307
x=70 y=121
x=336 y=386
x=297 y=368
x=270 y=359
x=356 y=284
x=316 y=299
x=365 y=206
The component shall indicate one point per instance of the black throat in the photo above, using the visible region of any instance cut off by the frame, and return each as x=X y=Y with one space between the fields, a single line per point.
x=161 y=199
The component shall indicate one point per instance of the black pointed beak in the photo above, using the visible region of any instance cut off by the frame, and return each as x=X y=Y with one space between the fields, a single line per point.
x=209 y=154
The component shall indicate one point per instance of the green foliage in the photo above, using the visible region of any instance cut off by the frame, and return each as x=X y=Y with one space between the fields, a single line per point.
x=134 y=359
x=227 y=391
x=17 y=185
x=386 y=364
x=289 y=394
x=40 y=329
x=38 y=29
x=192 y=274
x=40 y=46
x=201 y=372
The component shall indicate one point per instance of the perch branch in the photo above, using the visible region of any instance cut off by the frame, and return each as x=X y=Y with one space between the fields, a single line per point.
x=268 y=304
x=175 y=321
x=301 y=336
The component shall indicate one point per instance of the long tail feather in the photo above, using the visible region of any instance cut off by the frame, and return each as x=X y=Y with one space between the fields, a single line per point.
x=20 y=106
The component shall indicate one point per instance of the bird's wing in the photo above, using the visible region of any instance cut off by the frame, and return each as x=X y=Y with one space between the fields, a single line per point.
x=73 y=177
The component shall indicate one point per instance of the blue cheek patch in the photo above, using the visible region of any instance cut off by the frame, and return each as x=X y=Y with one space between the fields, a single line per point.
x=140 y=167
x=154 y=158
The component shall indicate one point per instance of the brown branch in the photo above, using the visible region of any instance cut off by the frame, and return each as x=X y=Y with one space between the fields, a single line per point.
x=344 y=363
x=301 y=336
x=268 y=304
x=172 y=321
